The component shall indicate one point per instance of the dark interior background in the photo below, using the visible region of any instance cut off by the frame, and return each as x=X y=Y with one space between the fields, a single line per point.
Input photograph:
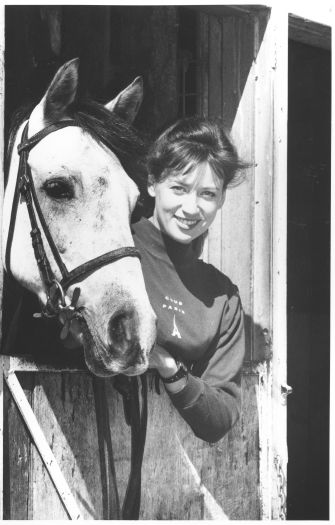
x=115 y=44
x=308 y=272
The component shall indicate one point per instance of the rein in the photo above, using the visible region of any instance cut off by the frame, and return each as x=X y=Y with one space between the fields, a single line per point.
x=136 y=415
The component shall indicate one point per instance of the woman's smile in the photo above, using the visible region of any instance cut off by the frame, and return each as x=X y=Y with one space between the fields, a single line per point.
x=186 y=223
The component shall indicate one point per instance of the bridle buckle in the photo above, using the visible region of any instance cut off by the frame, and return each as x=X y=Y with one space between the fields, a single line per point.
x=56 y=295
x=55 y=301
x=67 y=314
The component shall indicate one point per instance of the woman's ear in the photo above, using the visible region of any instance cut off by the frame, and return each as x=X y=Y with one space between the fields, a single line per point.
x=151 y=186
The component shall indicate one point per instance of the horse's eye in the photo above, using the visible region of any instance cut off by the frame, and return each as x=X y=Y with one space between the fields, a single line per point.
x=58 y=189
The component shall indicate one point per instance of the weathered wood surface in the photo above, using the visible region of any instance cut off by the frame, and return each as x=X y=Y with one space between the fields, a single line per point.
x=240 y=240
x=186 y=478
x=64 y=406
x=183 y=477
x=262 y=192
x=229 y=89
x=17 y=450
x=278 y=46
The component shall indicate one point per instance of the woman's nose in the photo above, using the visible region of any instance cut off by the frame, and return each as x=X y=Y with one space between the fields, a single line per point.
x=190 y=203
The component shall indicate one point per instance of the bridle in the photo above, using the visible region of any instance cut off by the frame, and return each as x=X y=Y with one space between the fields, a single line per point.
x=136 y=415
x=55 y=290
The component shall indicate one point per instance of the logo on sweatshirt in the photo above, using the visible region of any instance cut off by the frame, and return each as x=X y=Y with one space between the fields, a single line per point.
x=175 y=332
x=175 y=306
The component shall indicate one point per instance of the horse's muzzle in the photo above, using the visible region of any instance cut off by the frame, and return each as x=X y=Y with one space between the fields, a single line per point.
x=122 y=330
x=123 y=352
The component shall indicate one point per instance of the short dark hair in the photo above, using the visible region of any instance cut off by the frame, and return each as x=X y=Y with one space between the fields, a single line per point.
x=191 y=141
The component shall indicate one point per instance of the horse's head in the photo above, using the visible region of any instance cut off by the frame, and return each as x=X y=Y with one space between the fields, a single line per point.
x=87 y=199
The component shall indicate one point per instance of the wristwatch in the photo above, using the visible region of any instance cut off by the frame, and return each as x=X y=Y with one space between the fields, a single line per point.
x=181 y=372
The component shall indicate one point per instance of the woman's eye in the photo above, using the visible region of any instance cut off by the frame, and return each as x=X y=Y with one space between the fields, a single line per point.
x=57 y=189
x=209 y=194
x=178 y=189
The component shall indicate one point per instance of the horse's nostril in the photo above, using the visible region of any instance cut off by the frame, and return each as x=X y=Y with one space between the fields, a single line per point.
x=122 y=330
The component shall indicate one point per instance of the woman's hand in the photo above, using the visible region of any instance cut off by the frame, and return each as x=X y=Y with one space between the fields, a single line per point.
x=162 y=361
x=166 y=366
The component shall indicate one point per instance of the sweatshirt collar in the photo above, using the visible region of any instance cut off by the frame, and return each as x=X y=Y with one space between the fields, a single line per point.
x=162 y=246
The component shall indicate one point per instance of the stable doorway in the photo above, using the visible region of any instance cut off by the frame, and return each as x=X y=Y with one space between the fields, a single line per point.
x=308 y=281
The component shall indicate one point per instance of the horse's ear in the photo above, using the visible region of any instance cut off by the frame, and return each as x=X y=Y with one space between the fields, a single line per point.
x=127 y=103
x=61 y=92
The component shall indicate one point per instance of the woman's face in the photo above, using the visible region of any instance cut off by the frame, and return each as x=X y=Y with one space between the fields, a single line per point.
x=186 y=204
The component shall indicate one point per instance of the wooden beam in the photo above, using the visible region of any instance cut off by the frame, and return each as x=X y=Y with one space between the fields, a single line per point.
x=42 y=445
x=231 y=10
x=279 y=19
x=27 y=364
x=262 y=194
x=309 y=32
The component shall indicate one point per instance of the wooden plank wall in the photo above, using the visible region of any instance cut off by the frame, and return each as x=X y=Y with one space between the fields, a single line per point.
x=231 y=77
x=16 y=461
x=239 y=242
x=64 y=406
x=184 y=477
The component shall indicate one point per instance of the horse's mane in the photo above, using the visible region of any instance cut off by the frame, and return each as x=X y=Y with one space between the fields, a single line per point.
x=105 y=127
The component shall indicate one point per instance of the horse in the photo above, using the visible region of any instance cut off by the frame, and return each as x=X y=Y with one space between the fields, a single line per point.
x=66 y=222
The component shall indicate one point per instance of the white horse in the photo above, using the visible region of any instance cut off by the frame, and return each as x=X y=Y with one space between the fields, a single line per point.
x=86 y=198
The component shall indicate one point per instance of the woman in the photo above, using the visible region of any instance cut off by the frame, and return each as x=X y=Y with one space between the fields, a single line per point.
x=200 y=343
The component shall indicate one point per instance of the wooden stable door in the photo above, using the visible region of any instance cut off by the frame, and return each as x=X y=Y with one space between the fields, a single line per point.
x=243 y=80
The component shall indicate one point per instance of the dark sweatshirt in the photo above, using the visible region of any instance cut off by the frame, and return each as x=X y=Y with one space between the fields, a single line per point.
x=200 y=322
